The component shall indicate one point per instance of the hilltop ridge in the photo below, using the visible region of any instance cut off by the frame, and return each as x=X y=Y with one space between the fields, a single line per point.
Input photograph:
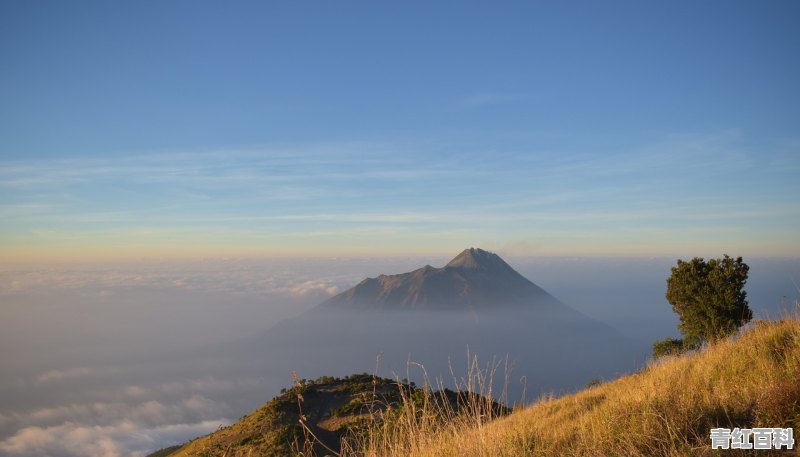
x=330 y=406
x=330 y=409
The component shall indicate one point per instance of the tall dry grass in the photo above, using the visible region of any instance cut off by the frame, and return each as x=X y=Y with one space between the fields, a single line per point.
x=430 y=411
x=666 y=409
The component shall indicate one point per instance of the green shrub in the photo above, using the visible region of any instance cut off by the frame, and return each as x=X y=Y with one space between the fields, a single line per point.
x=669 y=346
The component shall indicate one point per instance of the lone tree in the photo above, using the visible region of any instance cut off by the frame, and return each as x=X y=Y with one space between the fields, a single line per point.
x=709 y=299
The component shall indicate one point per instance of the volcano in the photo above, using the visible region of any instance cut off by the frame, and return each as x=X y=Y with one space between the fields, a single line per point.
x=474 y=280
x=476 y=304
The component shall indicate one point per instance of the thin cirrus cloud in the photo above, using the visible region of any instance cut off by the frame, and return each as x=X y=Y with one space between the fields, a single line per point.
x=234 y=196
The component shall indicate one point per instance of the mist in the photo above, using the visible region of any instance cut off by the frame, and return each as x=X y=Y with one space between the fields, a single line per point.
x=125 y=359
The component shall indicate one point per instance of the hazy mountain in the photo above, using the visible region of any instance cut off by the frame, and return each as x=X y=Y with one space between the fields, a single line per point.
x=473 y=280
x=476 y=303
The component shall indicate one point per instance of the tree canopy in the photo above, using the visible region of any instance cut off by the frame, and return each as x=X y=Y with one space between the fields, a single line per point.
x=709 y=298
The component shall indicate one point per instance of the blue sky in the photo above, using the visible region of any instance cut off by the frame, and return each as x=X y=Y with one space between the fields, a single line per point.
x=338 y=128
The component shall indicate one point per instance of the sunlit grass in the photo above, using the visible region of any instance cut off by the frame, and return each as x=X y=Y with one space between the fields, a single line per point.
x=666 y=409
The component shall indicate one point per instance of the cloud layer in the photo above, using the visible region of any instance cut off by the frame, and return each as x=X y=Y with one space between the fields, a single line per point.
x=118 y=360
x=111 y=360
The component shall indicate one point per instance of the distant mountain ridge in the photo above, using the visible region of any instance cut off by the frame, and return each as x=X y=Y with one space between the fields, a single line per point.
x=474 y=280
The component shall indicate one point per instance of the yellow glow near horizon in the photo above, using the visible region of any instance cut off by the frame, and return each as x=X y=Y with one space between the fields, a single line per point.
x=119 y=248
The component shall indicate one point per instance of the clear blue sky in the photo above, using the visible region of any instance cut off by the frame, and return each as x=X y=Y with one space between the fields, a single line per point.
x=337 y=127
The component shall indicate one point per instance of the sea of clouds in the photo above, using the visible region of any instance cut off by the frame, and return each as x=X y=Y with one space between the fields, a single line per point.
x=120 y=360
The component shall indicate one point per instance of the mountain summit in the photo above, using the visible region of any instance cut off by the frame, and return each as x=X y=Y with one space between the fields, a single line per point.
x=477 y=259
x=474 y=280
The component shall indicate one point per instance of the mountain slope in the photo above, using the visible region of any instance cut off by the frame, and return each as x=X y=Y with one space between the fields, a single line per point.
x=473 y=280
x=330 y=406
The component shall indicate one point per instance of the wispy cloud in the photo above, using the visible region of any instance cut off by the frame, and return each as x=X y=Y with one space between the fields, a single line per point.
x=60 y=375
x=284 y=282
x=344 y=189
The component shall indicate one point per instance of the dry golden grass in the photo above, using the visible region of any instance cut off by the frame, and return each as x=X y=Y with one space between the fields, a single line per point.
x=667 y=409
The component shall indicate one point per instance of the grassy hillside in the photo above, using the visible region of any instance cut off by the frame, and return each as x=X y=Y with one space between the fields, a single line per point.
x=330 y=408
x=313 y=417
x=666 y=409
